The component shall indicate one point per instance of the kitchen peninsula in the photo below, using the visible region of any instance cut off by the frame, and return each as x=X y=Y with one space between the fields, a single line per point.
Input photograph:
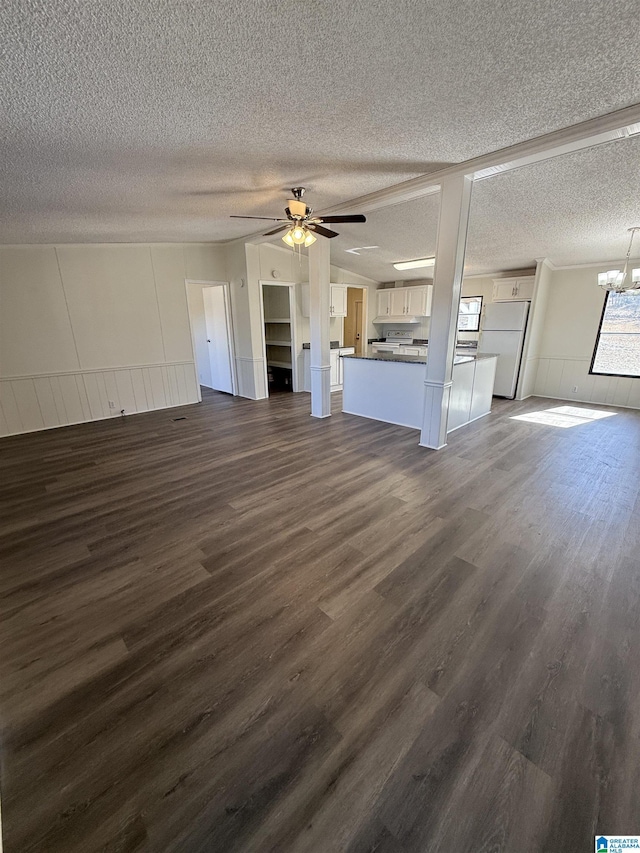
x=390 y=387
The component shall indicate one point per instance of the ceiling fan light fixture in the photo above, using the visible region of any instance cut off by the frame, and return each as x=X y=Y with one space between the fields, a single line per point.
x=298 y=235
x=413 y=265
x=297 y=208
x=288 y=239
x=311 y=238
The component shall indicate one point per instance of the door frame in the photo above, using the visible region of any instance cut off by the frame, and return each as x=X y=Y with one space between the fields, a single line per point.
x=292 y=285
x=365 y=312
x=230 y=329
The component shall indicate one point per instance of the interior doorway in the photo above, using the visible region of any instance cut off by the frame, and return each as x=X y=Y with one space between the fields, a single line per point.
x=354 y=322
x=212 y=335
x=279 y=336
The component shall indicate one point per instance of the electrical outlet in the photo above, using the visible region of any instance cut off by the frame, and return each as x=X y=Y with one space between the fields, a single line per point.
x=574 y=390
x=112 y=405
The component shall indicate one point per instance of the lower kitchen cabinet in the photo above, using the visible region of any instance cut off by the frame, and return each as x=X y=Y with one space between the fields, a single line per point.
x=337 y=368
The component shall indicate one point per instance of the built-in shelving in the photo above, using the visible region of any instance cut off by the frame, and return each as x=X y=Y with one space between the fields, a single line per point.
x=277 y=335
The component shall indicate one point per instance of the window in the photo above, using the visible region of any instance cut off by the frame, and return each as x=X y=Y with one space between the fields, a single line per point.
x=617 y=351
x=469 y=314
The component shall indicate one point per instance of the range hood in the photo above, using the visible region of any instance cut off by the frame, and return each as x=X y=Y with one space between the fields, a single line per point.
x=401 y=318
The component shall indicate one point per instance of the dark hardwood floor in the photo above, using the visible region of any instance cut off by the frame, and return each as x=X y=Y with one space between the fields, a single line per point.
x=250 y=630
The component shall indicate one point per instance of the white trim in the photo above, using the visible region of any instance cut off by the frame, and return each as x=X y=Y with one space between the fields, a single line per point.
x=293 y=307
x=587 y=402
x=472 y=421
x=382 y=421
x=517 y=273
x=365 y=316
x=83 y=370
x=429 y=384
x=593 y=265
x=573 y=358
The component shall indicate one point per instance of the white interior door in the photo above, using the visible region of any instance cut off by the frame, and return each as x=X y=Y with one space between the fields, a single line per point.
x=218 y=338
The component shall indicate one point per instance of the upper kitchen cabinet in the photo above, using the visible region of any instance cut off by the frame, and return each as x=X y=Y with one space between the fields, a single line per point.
x=338 y=306
x=383 y=303
x=338 y=301
x=402 y=303
x=508 y=289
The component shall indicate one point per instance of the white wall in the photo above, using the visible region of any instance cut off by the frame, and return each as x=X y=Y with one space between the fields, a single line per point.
x=81 y=326
x=535 y=331
x=571 y=324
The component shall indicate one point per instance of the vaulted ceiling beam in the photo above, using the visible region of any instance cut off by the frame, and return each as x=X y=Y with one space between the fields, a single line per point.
x=608 y=128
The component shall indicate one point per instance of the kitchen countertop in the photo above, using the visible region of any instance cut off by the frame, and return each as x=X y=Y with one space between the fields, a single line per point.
x=460 y=357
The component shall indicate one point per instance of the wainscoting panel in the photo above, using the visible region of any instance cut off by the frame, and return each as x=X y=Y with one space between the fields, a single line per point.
x=31 y=403
x=557 y=377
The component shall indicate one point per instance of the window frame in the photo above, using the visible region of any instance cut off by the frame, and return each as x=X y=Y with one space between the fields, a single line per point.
x=471 y=331
x=593 y=372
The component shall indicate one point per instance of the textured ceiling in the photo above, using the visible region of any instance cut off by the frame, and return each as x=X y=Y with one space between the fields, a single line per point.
x=574 y=209
x=135 y=120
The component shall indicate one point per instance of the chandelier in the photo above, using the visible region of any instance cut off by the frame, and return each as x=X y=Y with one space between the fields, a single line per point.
x=616 y=281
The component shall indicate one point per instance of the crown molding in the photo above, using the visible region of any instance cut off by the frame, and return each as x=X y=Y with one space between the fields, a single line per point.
x=596 y=265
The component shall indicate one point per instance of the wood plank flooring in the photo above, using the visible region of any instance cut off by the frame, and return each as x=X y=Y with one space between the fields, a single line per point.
x=249 y=630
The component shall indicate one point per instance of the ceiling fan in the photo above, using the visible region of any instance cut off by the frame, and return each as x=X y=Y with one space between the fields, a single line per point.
x=301 y=225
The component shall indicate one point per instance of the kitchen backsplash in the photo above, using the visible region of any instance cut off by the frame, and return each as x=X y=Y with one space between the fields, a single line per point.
x=419 y=330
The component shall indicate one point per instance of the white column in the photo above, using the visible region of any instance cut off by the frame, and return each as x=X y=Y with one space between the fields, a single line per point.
x=455 y=201
x=319 y=307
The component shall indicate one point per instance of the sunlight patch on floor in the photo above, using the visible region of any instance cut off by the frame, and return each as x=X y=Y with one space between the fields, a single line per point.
x=564 y=416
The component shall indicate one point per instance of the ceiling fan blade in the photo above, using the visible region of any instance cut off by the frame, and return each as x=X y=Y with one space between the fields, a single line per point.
x=297 y=207
x=276 y=230
x=324 y=232
x=355 y=217
x=270 y=218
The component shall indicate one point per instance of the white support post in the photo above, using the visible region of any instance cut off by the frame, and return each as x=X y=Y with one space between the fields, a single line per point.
x=319 y=305
x=455 y=201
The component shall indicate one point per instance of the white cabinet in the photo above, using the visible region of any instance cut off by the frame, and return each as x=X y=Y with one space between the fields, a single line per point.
x=337 y=370
x=338 y=300
x=400 y=302
x=339 y=375
x=407 y=350
x=334 y=358
x=414 y=351
x=419 y=301
x=506 y=289
x=383 y=303
x=338 y=306
x=461 y=394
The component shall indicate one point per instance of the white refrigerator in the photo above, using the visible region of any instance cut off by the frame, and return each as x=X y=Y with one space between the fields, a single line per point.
x=503 y=331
